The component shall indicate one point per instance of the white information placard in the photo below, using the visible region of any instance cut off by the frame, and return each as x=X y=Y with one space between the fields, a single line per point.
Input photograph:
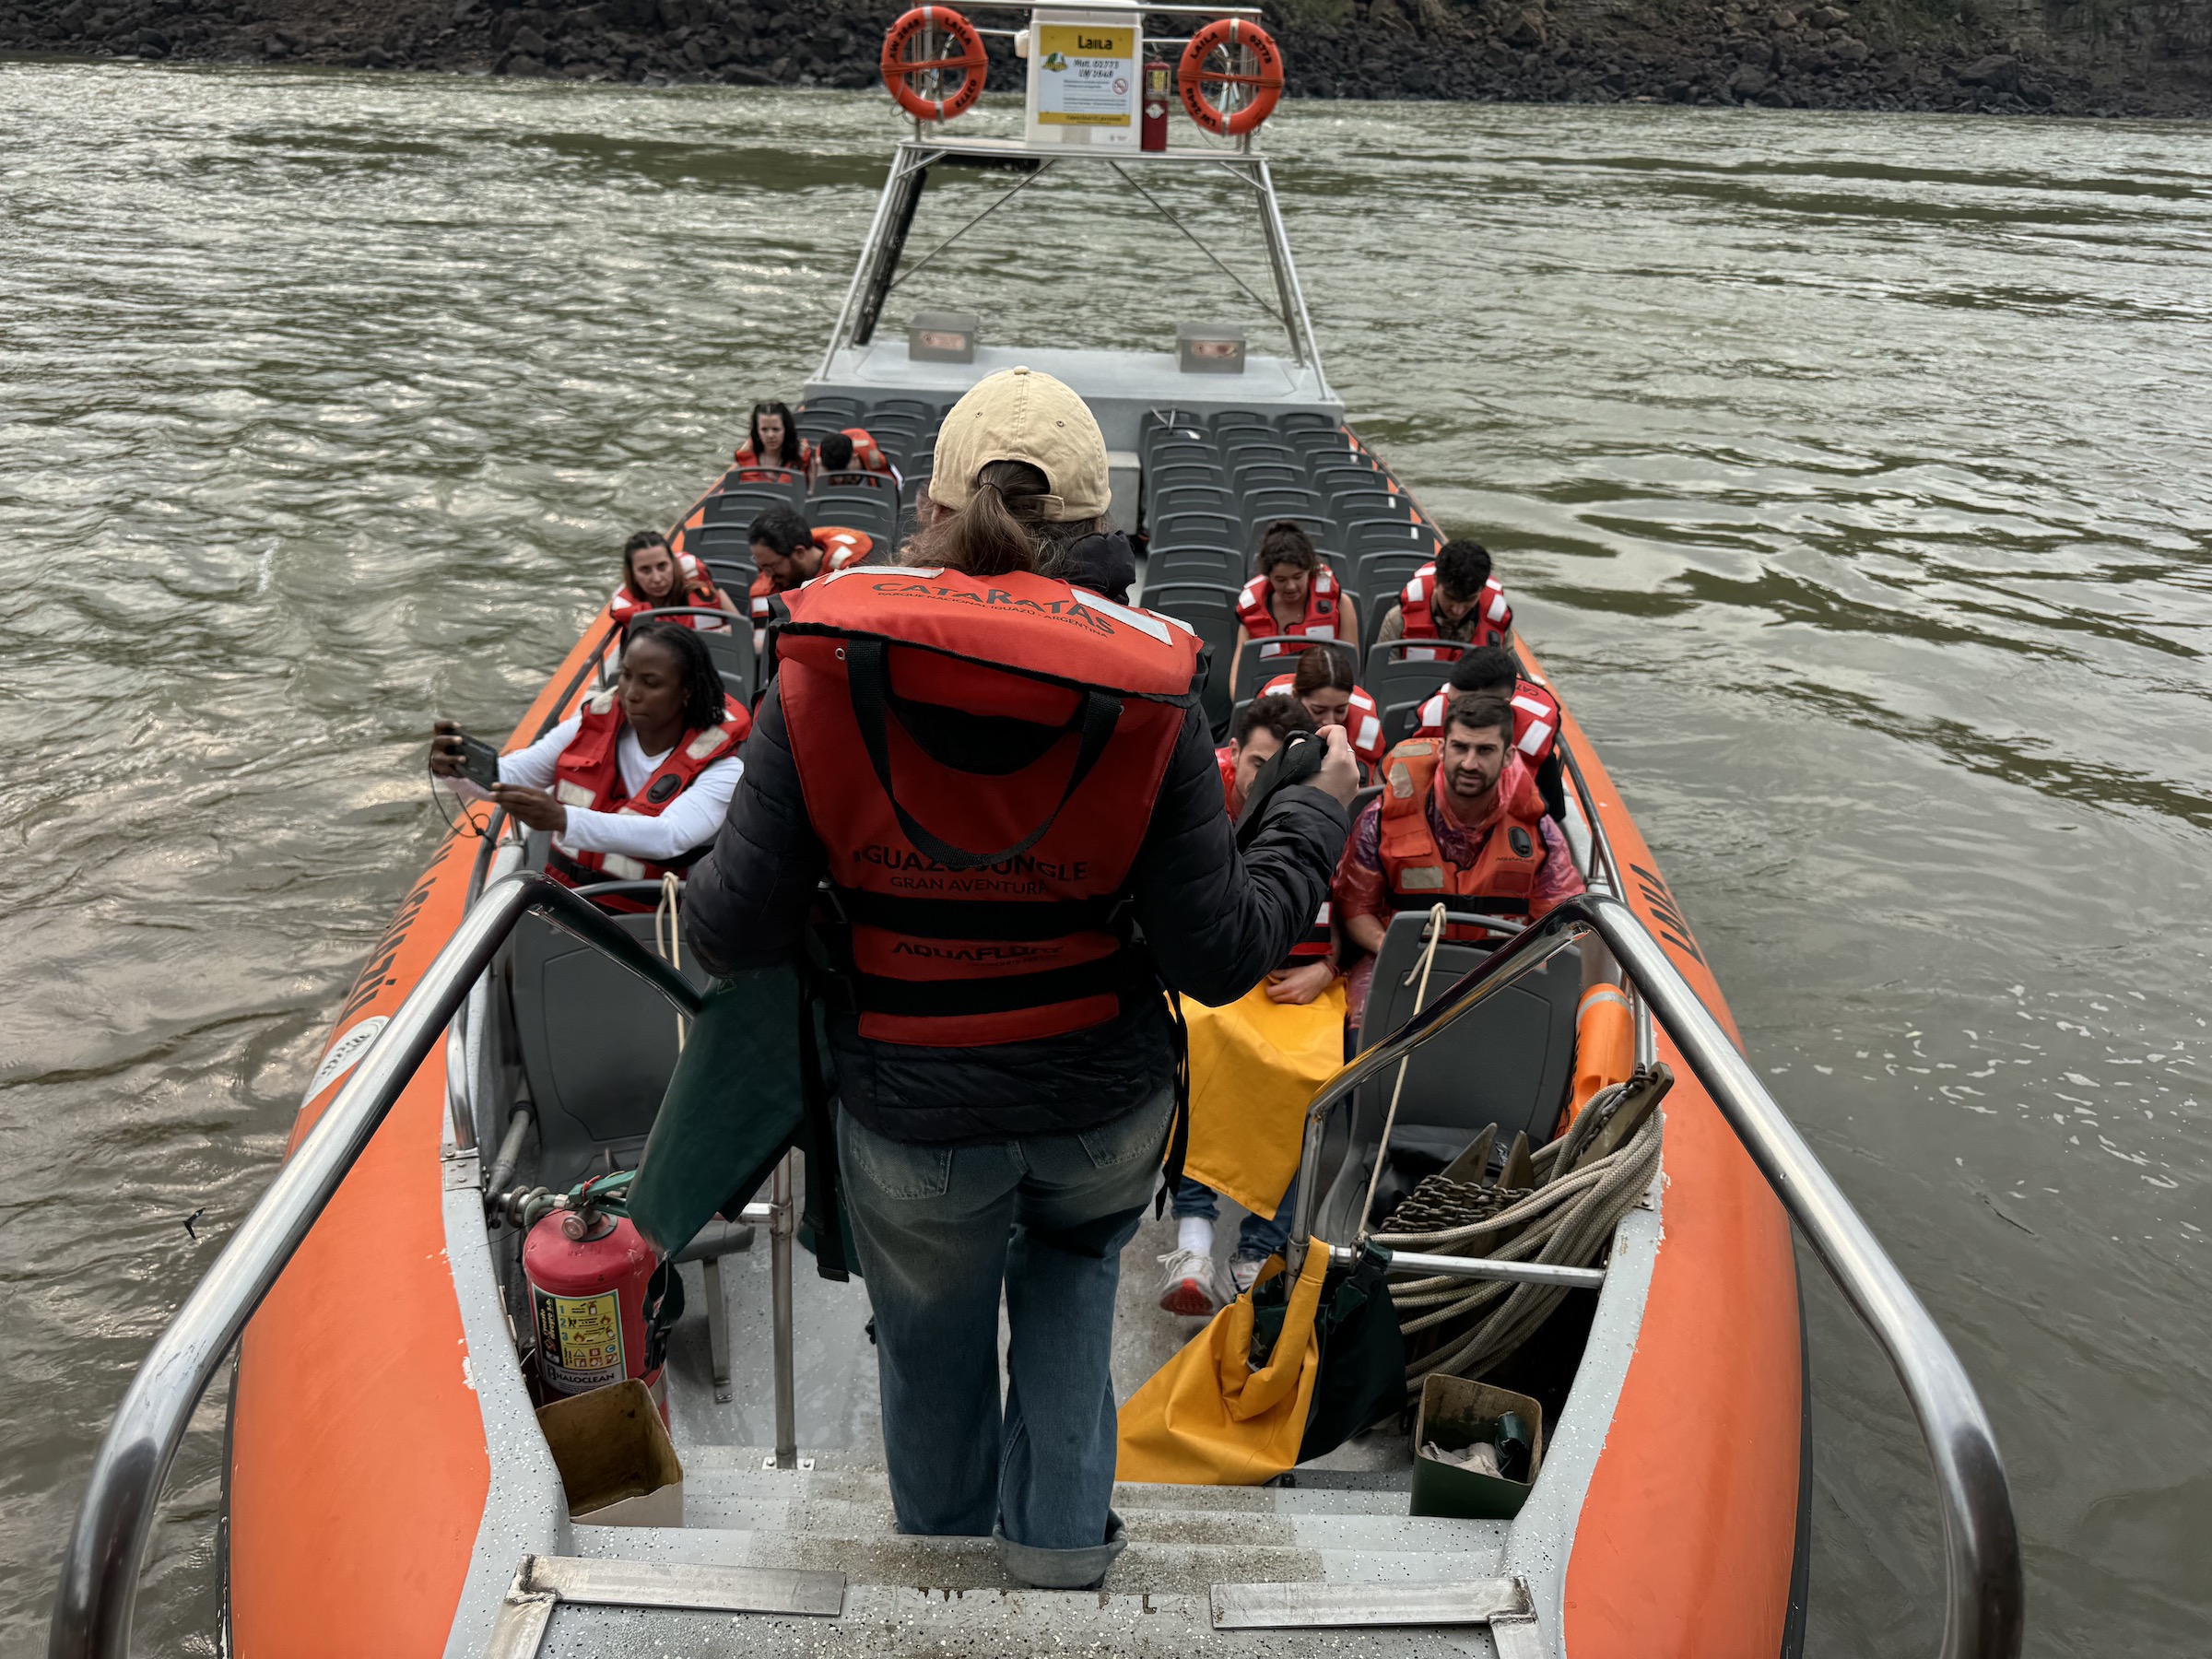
x=1085 y=75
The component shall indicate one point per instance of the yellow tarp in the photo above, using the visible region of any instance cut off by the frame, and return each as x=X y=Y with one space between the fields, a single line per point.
x=1206 y=1418
x=1255 y=1065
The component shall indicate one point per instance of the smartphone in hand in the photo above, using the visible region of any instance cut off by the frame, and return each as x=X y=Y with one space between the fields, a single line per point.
x=479 y=761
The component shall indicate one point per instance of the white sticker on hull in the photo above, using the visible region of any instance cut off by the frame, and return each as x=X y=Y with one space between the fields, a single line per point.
x=344 y=1055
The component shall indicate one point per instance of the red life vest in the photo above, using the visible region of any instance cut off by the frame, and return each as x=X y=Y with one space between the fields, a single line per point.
x=698 y=589
x=1362 y=719
x=1226 y=759
x=1417 y=871
x=840 y=547
x=1494 y=617
x=982 y=901
x=1535 y=721
x=1323 y=618
x=589 y=775
x=749 y=466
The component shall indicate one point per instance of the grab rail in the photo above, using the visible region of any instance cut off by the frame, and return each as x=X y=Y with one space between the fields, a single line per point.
x=99 y=1566
x=1981 y=1547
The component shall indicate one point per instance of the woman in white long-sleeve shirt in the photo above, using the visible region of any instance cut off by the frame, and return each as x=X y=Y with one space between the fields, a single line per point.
x=636 y=782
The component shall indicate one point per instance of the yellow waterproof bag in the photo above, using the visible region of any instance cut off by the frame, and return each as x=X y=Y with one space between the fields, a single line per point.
x=1255 y=1065
x=1208 y=1419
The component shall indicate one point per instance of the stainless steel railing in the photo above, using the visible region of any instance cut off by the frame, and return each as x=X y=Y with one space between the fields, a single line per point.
x=1981 y=1549
x=99 y=1565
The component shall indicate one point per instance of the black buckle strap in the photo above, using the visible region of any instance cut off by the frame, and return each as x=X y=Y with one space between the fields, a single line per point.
x=953 y=998
x=868 y=675
x=976 y=918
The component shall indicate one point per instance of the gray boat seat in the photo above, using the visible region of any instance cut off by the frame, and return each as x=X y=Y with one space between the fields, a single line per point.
x=1510 y=1061
x=598 y=1044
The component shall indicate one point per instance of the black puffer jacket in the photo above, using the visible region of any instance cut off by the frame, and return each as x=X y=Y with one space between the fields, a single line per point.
x=1216 y=924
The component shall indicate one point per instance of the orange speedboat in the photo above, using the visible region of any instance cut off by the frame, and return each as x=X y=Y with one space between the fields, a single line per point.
x=395 y=1489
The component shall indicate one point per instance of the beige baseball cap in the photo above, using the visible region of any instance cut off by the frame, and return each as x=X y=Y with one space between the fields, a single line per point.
x=1021 y=415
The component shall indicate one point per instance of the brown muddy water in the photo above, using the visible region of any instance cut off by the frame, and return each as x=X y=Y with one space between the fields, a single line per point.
x=1852 y=474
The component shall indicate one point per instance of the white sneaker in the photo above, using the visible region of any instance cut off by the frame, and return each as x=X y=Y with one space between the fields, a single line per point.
x=1244 y=1270
x=1192 y=1280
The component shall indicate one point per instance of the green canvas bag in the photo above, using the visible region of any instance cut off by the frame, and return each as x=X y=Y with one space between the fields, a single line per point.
x=748 y=1086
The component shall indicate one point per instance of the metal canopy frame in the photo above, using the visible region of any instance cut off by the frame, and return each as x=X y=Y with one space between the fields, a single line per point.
x=882 y=266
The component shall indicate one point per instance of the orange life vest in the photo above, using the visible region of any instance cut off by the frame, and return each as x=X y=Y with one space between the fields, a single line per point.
x=1417 y=871
x=1323 y=618
x=867 y=456
x=1494 y=616
x=981 y=890
x=1362 y=719
x=751 y=466
x=1535 y=721
x=840 y=547
x=589 y=775
x=698 y=590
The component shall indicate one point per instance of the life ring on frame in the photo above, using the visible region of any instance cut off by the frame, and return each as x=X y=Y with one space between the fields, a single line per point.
x=1266 y=85
x=898 y=68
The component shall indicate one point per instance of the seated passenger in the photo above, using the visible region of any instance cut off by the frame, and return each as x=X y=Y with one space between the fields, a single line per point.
x=1496 y=670
x=788 y=553
x=653 y=577
x=1324 y=683
x=851 y=457
x=1454 y=597
x=1459 y=821
x=1191 y=1285
x=1292 y=591
x=636 y=783
x=773 y=447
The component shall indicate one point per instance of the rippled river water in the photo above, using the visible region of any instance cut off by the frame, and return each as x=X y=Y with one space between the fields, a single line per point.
x=1853 y=474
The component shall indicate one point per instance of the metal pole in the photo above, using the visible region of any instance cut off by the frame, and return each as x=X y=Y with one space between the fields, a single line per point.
x=782 y=1225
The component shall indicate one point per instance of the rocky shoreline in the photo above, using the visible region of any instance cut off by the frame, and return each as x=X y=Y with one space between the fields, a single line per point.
x=2143 y=58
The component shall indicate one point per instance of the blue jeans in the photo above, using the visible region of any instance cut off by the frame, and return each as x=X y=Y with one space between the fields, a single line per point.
x=1258 y=1237
x=940 y=1229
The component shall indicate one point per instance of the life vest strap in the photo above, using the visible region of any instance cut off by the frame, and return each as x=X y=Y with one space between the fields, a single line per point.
x=868 y=675
x=1117 y=975
x=1007 y=920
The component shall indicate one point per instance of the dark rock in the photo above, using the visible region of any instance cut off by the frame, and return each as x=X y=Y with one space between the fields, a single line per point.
x=529 y=42
x=1998 y=71
x=1526 y=30
x=1748 y=83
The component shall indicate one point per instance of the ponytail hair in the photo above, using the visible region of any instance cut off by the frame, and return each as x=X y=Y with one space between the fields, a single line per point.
x=1003 y=528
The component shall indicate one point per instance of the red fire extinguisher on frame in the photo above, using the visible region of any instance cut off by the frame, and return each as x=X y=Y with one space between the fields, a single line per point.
x=1152 y=132
x=601 y=1300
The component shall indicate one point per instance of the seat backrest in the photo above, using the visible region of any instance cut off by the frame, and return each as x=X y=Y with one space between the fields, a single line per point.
x=1372 y=503
x=1508 y=1063
x=598 y=1043
x=1210 y=610
x=1269 y=475
x=746 y=503
x=722 y=544
x=1239 y=449
x=1169 y=451
x=1335 y=478
x=875 y=512
x=1294 y=421
x=1215 y=528
x=898 y=409
x=1362 y=535
x=1215 y=567
x=1400 y=686
x=1188 y=498
x=1174 y=473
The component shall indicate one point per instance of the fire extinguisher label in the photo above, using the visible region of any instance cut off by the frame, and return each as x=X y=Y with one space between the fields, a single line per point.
x=579 y=1340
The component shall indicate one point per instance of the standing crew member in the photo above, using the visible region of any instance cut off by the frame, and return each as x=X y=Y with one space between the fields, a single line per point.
x=1458 y=822
x=1495 y=670
x=1454 y=596
x=994 y=769
x=1292 y=591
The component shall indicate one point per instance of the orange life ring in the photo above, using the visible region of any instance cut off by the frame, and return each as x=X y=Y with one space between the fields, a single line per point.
x=1266 y=86
x=898 y=68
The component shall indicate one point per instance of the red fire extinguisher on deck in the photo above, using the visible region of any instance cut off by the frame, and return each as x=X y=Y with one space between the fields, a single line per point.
x=1152 y=133
x=601 y=1299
